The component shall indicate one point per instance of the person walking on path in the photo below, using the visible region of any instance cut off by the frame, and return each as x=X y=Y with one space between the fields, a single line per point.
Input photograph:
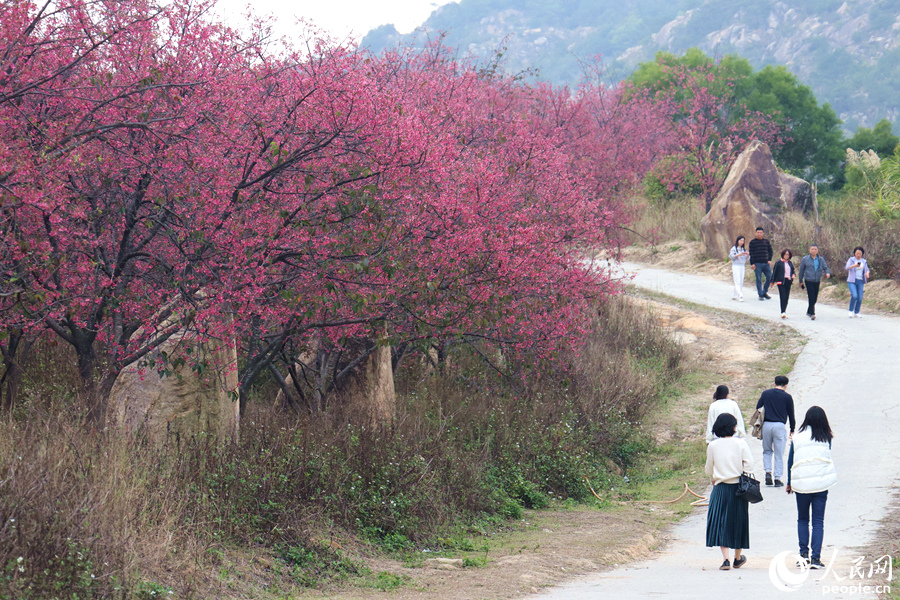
x=728 y=518
x=809 y=273
x=779 y=409
x=723 y=404
x=783 y=275
x=811 y=473
x=739 y=257
x=760 y=263
x=857 y=275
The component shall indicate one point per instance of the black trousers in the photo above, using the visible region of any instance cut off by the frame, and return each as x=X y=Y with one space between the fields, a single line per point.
x=812 y=291
x=784 y=292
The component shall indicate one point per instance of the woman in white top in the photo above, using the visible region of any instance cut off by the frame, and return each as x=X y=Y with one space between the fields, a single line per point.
x=811 y=473
x=723 y=404
x=739 y=257
x=728 y=518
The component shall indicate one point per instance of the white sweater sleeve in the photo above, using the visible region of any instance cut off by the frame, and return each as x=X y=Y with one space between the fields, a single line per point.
x=710 y=420
x=746 y=457
x=741 y=430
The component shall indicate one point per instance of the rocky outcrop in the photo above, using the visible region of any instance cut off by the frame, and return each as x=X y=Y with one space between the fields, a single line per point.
x=197 y=397
x=755 y=194
x=796 y=193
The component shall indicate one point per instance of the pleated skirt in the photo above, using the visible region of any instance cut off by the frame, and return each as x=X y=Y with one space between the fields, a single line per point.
x=728 y=519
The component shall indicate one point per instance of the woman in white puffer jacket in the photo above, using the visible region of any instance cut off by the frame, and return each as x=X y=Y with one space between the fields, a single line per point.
x=811 y=473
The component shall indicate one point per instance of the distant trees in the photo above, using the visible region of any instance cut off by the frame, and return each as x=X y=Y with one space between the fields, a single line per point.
x=707 y=126
x=880 y=138
x=810 y=134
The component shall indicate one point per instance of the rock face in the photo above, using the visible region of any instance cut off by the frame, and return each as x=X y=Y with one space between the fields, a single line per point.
x=171 y=409
x=755 y=194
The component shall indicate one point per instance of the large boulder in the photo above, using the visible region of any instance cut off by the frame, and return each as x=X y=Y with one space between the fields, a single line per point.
x=755 y=194
x=194 y=399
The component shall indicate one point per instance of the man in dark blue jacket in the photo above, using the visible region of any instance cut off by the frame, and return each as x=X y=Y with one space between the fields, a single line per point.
x=761 y=263
x=778 y=408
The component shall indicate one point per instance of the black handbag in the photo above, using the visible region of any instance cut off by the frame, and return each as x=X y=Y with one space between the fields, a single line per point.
x=748 y=489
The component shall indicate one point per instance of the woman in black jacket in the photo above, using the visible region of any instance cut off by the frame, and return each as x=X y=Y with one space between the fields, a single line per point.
x=783 y=275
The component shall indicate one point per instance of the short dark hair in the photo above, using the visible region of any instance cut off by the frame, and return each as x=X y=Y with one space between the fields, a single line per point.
x=721 y=392
x=860 y=248
x=817 y=420
x=724 y=425
x=781 y=380
x=787 y=251
x=760 y=229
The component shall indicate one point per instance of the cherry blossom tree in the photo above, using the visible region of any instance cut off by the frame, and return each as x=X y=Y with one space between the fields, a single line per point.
x=161 y=173
x=708 y=129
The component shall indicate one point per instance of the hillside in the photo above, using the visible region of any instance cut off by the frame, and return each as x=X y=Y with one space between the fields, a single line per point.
x=848 y=52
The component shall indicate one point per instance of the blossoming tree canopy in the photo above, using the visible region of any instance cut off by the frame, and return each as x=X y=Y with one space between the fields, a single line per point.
x=160 y=173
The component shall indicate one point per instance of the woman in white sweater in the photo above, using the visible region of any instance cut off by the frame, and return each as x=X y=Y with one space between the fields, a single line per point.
x=728 y=518
x=739 y=257
x=811 y=473
x=723 y=404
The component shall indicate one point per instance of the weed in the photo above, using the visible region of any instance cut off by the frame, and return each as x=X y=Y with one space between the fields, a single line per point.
x=308 y=565
x=386 y=582
x=150 y=590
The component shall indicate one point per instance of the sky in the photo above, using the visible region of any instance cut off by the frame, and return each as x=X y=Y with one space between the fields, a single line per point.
x=341 y=18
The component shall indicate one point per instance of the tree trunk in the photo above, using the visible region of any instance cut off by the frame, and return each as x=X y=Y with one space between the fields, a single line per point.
x=91 y=394
x=15 y=355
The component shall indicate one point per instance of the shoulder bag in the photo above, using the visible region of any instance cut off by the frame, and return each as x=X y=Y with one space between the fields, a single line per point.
x=748 y=489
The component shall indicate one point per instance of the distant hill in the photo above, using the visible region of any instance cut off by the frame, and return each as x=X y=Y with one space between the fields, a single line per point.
x=848 y=52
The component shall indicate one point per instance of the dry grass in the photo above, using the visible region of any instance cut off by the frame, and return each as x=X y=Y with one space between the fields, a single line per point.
x=655 y=222
x=96 y=515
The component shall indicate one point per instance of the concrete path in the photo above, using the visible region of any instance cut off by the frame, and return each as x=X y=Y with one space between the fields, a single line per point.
x=851 y=368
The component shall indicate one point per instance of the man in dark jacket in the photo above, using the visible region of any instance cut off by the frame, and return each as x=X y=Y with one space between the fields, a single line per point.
x=810 y=272
x=761 y=263
x=779 y=409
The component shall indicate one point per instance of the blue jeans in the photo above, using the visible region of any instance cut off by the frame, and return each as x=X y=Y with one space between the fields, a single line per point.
x=856 y=294
x=817 y=501
x=763 y=269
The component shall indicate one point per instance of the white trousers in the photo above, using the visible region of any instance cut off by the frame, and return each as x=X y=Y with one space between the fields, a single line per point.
x=738 y=272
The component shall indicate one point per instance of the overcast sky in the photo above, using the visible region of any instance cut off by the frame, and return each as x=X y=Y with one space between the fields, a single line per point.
x=342 y=18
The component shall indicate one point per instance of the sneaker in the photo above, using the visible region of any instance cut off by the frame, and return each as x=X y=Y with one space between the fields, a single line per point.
x=816 y=564
x=739 y=562
x=768 y=479
x=858 y=316
x=778 y=483
x=767 y=297
x=783 y=316
x=762 y=299
x=813 y=317
x=726 y=566
x=741 y=299
x=804 y=560
x=850 y=314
